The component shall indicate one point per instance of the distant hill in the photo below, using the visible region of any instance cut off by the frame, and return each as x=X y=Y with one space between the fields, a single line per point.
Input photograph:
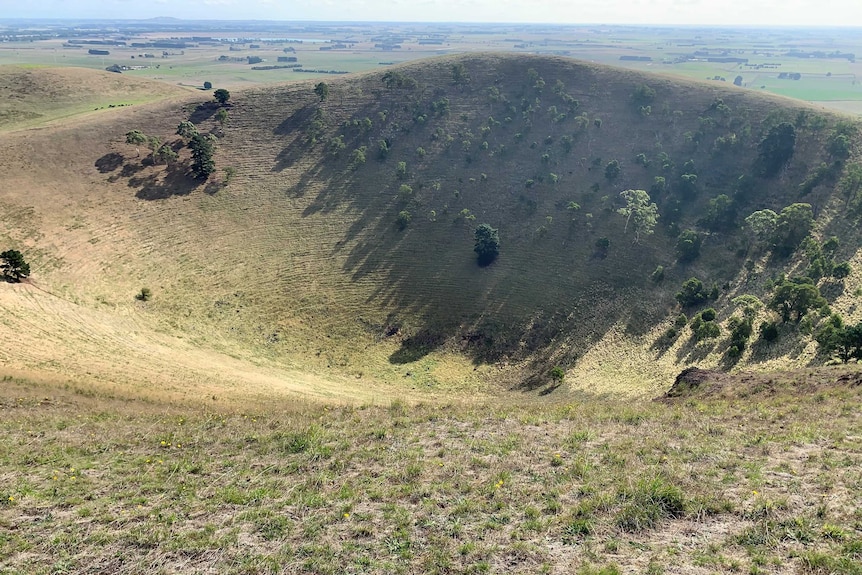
x=32 y=95
x=343 y=243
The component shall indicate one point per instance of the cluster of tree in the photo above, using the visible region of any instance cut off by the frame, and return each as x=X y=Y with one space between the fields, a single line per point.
x=202 y=147
x=839 y=340
x=393 y=79
x=317 y=71
x=793 y=298
x=13 y=265
x=776 y=149
x=742 y=328
x=703 y=325
x=694 y=293
x=159 y=151
x=821 y=259
x=460 y=76
x=782 y=232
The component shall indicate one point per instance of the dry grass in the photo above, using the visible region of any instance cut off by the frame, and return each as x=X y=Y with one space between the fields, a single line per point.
x=765 y=485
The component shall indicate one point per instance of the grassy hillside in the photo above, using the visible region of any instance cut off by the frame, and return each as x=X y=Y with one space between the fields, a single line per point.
x=760 y=476
x=308 y=261
x=31 y=95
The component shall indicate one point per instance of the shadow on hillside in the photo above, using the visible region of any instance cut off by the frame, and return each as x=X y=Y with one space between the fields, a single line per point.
x=204 y=111
x=109 y=162
x=663 y=343
x=787 y=344
x=548 y=297
x=693 y=351
x=297 y=123
x=131 y=169
x=416 y=347
x=173 y=181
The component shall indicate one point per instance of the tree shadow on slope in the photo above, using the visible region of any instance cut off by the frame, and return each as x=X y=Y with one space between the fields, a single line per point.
x=174 y=180
x=298 y=148
x=109 y=162
x=204 y=111
x=693 y=351
x=530 y=300
x=784 y=346
x=416 y=347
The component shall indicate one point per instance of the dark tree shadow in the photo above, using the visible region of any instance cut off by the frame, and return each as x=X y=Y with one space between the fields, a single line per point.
x=204 y=111
x=663 y=343
x=416 y=347
x=694 y=350
x=109 y=162
x=212 y=188
x=550 y=389
x=175 y=180
x=131 y=169
x=832 y=290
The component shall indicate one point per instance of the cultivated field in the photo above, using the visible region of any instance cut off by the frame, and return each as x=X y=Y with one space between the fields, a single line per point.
x=825 y=58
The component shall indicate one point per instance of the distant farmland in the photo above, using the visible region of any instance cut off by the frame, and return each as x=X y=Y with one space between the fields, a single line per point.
x=824 y=60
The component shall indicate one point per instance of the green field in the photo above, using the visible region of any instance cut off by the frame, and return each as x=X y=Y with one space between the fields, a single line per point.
x=833 y=81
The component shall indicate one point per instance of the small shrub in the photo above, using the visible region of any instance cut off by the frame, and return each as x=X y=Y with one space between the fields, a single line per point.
x=357 y=158
x=693 y=293
x=221 y=116
x=688 y=245
x=657 y=276
x=557 y=373
x=404 y=218
x=612 y=170
x=383 y=149
x=708 y=314
x=144 y=295
x=705 y=330
x=401 y=170
x=405 y=192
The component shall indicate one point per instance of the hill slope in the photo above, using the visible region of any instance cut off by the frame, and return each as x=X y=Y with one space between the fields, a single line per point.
x=359 y=270
x=30 y=95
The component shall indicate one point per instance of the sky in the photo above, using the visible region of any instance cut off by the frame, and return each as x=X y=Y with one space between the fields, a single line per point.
x=675 y=12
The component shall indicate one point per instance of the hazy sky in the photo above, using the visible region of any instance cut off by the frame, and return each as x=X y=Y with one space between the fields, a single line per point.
x=710 y=12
